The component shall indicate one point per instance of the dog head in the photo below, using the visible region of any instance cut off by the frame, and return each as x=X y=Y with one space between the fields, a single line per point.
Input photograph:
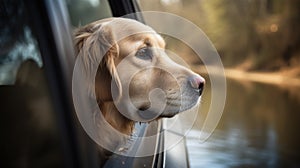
x=135 y=72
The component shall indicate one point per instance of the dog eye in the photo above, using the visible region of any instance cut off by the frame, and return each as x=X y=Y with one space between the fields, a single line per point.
x=144 y=53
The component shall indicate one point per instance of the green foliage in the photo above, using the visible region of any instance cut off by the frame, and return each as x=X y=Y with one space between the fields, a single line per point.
x=264 y=31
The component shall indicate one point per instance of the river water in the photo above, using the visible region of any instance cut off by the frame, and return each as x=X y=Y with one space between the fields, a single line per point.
x=260 y=127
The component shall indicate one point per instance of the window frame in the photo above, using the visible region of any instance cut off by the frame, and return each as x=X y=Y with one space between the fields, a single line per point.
x=50 y=24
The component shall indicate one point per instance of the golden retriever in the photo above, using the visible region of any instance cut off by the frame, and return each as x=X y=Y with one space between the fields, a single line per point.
x=136 y=81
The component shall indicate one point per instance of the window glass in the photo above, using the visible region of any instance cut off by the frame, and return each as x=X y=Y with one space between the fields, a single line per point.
x=83 y=12
x=29 y=132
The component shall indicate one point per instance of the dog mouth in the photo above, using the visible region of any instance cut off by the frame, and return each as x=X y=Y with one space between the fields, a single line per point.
x=166 y=107
x=145 y=112
x=144 y=107
x=149 y=114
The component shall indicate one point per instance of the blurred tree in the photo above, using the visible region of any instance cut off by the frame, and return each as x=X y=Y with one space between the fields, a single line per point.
x=262 y=32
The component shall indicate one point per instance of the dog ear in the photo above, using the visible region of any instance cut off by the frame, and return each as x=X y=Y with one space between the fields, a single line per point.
x=97 y=47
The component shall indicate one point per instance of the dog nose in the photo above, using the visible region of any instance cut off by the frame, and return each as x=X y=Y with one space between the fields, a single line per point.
x=197 y=82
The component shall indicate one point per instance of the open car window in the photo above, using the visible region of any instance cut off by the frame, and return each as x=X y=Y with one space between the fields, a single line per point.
x=82 y=12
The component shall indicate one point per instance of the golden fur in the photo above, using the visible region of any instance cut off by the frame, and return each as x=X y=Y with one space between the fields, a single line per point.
x=111 y=36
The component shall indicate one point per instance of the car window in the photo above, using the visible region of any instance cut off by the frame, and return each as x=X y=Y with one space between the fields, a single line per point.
x=29 y=132
x=83 y=12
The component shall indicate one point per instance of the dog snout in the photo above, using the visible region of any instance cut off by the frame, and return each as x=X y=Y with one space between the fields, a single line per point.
x=197 y=82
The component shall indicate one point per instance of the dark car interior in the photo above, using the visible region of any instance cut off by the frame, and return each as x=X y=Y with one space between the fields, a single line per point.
x=38 y=124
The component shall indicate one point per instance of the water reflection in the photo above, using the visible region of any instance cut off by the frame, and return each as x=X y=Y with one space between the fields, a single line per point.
x=259 y=128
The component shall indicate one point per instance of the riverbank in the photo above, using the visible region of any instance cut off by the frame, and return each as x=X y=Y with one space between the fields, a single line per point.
x=278 y=78
x=287 y=77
